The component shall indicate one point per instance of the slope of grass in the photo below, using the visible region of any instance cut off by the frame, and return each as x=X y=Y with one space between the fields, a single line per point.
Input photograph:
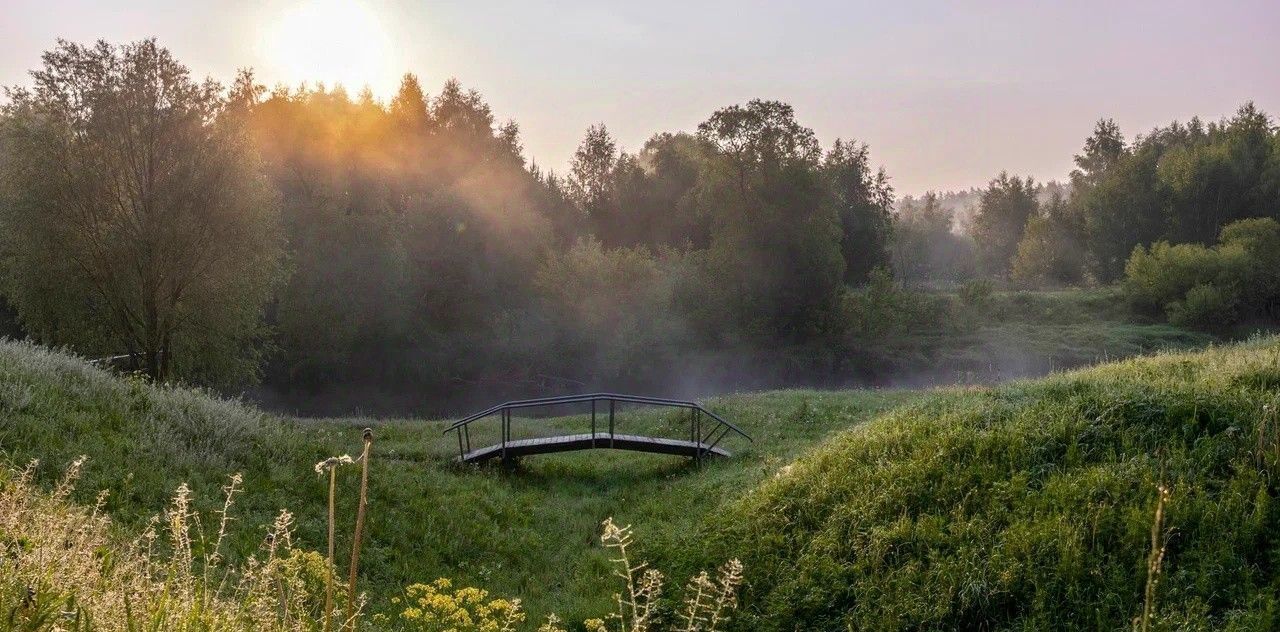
x=1031 y=506
x=531 y=533
x=1025 y=506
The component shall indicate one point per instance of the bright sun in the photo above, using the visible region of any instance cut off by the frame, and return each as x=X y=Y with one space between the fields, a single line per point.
x=333 y=41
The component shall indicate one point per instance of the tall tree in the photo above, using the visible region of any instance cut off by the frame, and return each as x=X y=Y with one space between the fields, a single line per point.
x=774 y=263
x=135 y=219
x=1006 y=206
x=1102 y=151
x=591 y=179
x=863 y=200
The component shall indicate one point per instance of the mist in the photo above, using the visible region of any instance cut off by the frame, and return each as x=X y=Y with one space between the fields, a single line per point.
x=408 y=259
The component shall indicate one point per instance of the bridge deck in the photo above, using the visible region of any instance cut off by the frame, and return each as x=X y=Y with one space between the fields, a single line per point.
x=568 y=443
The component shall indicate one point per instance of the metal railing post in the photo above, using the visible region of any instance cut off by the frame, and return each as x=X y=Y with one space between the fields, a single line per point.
x=593 y=423
x=697 y=435
x=611 y=409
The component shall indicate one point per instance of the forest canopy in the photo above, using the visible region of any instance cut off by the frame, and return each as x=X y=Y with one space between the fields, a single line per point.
x=329 y=245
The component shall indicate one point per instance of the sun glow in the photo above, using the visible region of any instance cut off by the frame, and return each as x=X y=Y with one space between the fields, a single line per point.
x=330 y=41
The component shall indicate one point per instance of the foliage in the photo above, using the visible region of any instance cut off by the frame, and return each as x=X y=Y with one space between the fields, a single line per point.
x=863 y=200
x=1051 y=251
x=437 y=607
x=1180 y=183
x=774 y=267
x=1211 y=288
x=1007 y=205
x=429 y=266
x=926 y=246
x=133 y=216
x=65 y=567
x=1030 y=506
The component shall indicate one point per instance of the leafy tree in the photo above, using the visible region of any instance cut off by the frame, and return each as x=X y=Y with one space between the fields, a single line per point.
x=1007 y=205
x=1102 y=151
x=925 y=245
x=863 y=200
x=591 y=179
x=774 y=262
x=674 y=164
x=135 y=220
x=1182 y=182
x=611 y=311
x=1051 y=252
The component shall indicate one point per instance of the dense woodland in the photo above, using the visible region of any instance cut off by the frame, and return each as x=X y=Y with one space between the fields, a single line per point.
x=333 y=248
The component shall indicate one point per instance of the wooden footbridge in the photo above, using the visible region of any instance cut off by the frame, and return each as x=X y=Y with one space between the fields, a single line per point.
x=604 y=407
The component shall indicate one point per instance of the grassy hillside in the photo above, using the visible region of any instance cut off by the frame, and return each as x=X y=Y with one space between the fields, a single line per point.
x=1023 y=506
x=532 y=533
x=1031 y=506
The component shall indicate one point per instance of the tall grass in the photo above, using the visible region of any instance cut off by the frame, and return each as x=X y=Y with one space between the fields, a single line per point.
x=1028 y=506
x=65 y=567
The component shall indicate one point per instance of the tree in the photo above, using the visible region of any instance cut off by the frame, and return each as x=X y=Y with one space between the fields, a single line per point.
x=925 y=245
x=135 y=219
x=1007 y=204
x=1051 y=252
x=862 y=199
x=409 y=107
x=774 y=265
x=591 y=176
x=1102 y=151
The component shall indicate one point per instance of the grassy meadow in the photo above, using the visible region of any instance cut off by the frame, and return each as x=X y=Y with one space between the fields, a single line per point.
x=531 y=533
x=1022 y=506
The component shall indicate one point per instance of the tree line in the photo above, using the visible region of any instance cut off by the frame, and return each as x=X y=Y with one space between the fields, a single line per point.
x=1181 y=183
x=337 y=248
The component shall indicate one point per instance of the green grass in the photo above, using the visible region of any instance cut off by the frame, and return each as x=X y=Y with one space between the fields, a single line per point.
x=942 y=338
x=532 y=533
x=1025 y=506
x=1030 y=506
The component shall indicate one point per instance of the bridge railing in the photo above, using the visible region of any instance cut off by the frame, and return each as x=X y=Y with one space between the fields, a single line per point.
x=718 y=427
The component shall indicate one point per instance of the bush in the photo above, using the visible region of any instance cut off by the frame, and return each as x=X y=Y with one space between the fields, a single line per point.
x=1206 y=307
x=1216 y=287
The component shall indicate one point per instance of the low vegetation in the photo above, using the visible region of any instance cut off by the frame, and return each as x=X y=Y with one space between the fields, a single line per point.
x=66 y=568
x=1004 y=507
x=1218 y=288
x=1031 y=506
x=529 y=534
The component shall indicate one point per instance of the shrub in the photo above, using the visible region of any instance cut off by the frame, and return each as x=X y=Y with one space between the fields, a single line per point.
x=1205 y=307
x=1210 y=287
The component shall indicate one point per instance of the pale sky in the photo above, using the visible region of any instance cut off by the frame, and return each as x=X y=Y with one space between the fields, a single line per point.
x=947 y=93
